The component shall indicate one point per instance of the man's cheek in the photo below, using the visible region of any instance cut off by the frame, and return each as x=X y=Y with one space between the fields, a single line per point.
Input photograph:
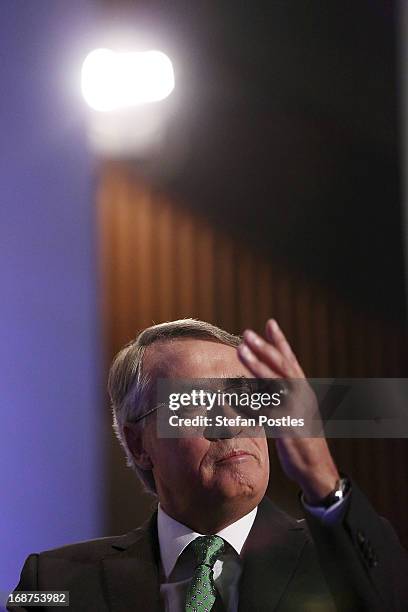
x=188 y=459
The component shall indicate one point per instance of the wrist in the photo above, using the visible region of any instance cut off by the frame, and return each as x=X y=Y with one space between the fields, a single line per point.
x=316 y=489
x=338 y=494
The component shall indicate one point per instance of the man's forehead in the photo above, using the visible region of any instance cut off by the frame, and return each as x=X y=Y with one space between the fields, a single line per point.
x=192 y=358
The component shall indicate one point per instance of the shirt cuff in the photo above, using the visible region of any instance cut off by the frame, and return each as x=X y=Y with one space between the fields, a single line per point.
x=328 y=516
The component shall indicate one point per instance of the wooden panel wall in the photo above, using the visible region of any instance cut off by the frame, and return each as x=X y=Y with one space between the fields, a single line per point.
x=159 y=261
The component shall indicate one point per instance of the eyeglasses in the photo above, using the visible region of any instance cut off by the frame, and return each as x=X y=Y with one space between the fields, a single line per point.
x=143 y=416
x=236 y=389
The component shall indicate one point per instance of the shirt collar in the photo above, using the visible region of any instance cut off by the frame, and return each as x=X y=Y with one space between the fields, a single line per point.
x=174 y=537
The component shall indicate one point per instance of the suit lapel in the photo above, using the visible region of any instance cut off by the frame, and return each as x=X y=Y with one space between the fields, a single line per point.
x=131 y=573
x=270 y=555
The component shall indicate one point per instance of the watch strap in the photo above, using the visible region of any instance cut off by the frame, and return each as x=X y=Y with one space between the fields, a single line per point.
x=339 y=492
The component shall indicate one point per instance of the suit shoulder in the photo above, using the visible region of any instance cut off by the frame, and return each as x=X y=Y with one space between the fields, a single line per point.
x=90 y=550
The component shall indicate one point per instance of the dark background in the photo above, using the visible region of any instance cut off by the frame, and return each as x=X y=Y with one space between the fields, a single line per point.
x=291 y=112
x=278 y=193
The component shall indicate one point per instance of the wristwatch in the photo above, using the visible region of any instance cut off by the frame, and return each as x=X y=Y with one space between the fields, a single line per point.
x=339 y=492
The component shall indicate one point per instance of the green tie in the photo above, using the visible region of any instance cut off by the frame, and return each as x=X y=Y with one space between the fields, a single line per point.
x=201 y=592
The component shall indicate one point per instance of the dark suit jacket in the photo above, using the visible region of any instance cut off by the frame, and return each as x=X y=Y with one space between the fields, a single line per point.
x=289 y=565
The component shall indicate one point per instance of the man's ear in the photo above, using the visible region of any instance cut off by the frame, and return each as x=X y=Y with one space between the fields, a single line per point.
x=134 y=439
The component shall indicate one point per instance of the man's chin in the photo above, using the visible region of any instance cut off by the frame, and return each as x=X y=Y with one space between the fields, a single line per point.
x=235 y=486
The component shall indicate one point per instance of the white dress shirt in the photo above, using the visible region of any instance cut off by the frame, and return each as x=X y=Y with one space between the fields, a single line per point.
x=177 y=569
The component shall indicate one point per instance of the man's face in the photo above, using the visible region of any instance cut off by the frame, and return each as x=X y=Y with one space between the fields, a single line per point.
x=189 y=471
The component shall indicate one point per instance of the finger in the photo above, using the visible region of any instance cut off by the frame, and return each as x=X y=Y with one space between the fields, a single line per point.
x=268 y=353
x=251 y=361
x=277 y=337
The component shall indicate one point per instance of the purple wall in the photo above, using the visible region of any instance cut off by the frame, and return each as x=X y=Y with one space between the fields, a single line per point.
x=51 y=483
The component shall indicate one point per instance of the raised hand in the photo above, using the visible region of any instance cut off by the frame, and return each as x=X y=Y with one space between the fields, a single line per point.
x=306 y=460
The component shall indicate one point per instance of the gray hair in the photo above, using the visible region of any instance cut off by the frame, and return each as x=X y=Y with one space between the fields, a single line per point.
x=129 y=385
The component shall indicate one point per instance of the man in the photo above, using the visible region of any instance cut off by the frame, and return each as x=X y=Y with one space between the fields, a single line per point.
x=216 y=542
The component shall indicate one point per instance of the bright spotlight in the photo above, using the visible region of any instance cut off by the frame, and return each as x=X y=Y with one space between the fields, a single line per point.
x=113 y=80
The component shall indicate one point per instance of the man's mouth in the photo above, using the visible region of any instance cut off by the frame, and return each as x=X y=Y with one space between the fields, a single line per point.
x=235 y=455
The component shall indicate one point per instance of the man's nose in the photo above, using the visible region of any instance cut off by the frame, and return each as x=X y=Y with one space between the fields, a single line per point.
x=220 y=432
x=225 y=427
